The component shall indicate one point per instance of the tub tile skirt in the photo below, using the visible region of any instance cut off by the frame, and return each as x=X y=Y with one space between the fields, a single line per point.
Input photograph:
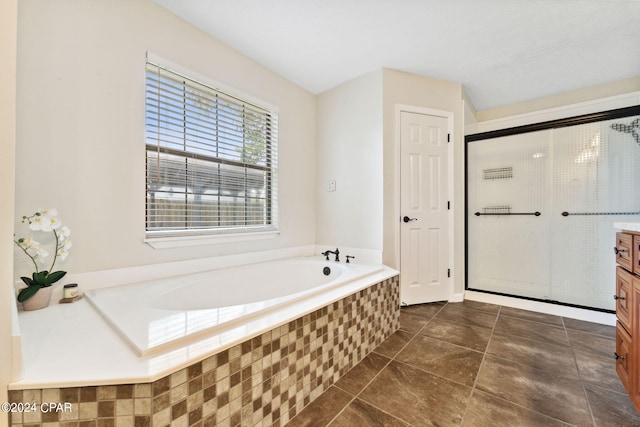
x=263 y=381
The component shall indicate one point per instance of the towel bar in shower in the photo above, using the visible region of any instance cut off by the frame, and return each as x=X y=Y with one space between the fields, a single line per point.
x=565 y=213
x=508 y=213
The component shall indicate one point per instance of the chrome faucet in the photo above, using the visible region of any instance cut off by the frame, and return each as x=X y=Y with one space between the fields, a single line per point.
x=336 y=253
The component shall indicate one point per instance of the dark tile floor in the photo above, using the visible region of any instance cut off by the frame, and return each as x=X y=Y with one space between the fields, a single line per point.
x=475 y=364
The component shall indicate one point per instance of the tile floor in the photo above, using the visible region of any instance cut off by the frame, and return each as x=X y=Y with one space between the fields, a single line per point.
x=475 y=364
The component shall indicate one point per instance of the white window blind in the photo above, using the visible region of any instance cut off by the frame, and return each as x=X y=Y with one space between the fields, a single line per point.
x=211 y=159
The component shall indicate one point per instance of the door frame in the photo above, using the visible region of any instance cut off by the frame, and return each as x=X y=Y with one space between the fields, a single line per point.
x=403 y=108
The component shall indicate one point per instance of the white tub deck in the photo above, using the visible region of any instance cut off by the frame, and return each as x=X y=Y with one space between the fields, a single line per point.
x=69 y=345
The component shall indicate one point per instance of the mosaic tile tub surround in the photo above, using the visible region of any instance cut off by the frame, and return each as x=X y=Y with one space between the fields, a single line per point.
x=262 y=381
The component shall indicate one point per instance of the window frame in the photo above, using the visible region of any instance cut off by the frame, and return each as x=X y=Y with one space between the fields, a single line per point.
x=191 y=235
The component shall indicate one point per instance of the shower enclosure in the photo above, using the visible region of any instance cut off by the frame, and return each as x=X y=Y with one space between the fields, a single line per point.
x=541 y=204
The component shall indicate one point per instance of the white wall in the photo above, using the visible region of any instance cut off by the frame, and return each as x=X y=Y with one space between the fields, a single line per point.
x=80 y=128
x=8 y=43
x=357 y=147
x=349 y=151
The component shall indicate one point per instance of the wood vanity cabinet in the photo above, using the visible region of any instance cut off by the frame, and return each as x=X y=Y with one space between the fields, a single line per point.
x=627 y=296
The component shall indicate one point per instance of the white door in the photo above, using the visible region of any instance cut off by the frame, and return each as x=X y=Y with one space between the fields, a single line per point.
x=424 y=232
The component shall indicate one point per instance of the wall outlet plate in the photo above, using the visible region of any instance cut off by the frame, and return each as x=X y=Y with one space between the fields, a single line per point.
x=332 y=185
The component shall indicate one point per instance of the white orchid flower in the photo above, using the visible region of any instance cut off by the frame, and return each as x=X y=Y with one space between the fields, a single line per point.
x=55 y=223
x=32 y=247
x=64 y=244
x=40 y=222
x=49 y=212
x=42 y=253
x=62 y=254
x=64 y=232
x=25 y=242
x=35 y=250
x=44 y=220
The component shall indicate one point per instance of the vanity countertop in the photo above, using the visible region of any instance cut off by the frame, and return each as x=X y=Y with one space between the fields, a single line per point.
x=631 y=226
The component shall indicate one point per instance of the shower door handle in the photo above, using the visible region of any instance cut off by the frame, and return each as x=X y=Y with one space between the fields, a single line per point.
x=407 y=219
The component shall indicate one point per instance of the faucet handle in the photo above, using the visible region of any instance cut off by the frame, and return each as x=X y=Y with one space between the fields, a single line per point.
x=350 y=257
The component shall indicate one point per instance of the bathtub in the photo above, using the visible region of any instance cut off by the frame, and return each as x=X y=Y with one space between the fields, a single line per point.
x=158 y=315
x=224 y=356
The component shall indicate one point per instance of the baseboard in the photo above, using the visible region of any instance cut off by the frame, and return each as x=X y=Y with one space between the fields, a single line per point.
x=457 y=297
x=543 y=307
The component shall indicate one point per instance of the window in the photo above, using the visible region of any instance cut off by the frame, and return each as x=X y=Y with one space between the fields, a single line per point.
x=210 y=159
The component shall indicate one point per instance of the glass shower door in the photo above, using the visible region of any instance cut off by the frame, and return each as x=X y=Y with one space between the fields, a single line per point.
x=541 y=208
x=595 y=184
x=507 y=242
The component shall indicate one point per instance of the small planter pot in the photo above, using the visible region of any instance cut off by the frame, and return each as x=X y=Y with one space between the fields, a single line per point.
x=40 y=300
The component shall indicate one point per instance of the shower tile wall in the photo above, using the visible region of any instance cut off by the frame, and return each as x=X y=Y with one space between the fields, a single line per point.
x=503 y=250
x=586 y=169
x=264 y=381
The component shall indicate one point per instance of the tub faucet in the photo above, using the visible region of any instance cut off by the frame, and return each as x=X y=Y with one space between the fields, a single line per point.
x=336 y=253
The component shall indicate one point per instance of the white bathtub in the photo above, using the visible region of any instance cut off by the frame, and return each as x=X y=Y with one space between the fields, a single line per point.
x=155 y=316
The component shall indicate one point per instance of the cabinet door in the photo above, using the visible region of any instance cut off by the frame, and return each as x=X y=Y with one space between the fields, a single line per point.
x=623 y=353
x=632 y=368
x=623 y=298
x=622 y=249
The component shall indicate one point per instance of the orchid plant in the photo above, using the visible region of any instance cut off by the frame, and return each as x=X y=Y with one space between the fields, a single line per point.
x=47 y=221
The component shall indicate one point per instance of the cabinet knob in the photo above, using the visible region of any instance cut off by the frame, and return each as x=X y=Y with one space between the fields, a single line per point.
x=616 y=297
x=619 y=356
x=617 y=251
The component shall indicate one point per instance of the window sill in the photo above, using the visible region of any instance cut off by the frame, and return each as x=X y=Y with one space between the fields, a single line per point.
x=185 y=241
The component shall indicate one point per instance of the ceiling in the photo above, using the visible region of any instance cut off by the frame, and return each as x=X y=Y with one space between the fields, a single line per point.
x=501 y=51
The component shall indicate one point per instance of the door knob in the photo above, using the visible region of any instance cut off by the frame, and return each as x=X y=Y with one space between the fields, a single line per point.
x=407 y=219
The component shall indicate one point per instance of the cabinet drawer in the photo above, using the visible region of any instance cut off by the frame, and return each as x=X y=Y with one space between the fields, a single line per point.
x=623 y=298
x=635 y=254
x=623 y=250
x=623 y=350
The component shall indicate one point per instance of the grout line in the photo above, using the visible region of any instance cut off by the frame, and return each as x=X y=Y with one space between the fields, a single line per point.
x=553 y=325
x=391 y=359
x=519 y=363
x=394 y=359
x=357 y=395
x=343 y=409
x=575 y=361
x=412 y=337
x=484 y=355
x=493 y=396
x=417 y=368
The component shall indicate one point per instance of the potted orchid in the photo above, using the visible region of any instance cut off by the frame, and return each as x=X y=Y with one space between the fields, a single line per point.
x=47 y=221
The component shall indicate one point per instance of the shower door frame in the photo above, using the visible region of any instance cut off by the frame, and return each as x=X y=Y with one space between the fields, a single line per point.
x=534 y=127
